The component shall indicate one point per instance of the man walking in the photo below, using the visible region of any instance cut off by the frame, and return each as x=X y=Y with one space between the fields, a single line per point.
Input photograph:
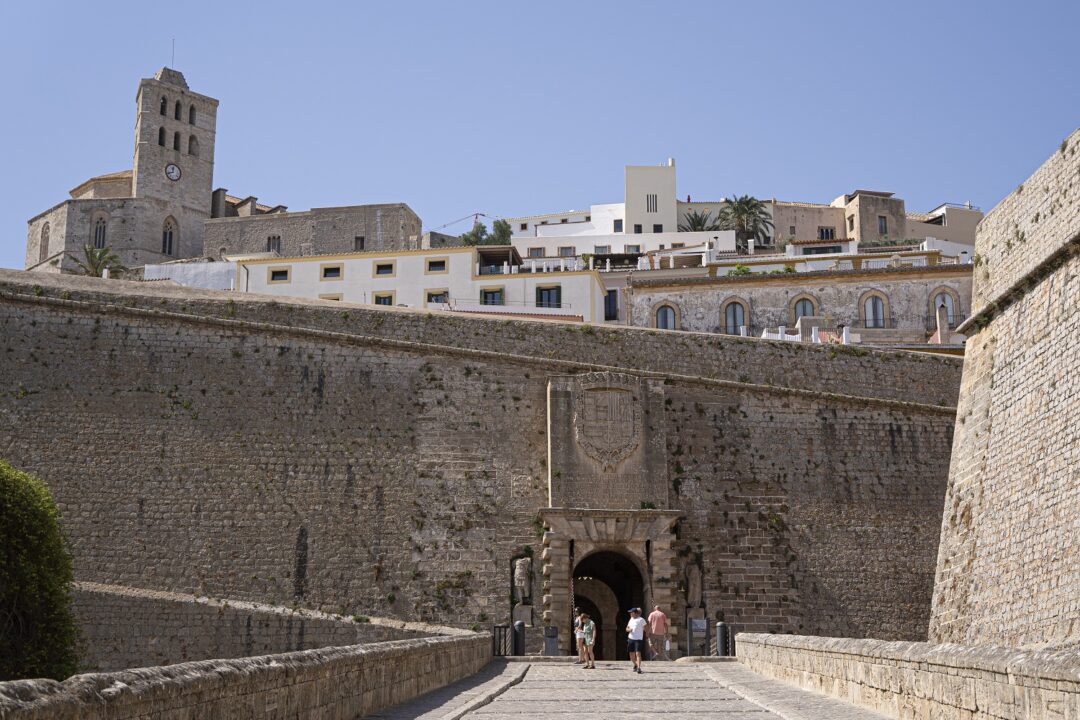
x=658 y=629
x=635 y=632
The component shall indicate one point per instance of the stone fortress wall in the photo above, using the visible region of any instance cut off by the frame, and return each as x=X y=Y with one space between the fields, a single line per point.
x=1008 y=571
x=126 y=627
x=392 y=462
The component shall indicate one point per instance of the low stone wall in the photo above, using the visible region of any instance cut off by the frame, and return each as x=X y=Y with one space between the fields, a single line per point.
x=344 y=682
x=912 y=680
x=125 y=627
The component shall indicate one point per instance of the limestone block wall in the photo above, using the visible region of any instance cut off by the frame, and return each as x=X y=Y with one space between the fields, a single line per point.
x=128 y=627
x=340 y=682
x=922 y=680
x=393 y=462
x=1007 y=568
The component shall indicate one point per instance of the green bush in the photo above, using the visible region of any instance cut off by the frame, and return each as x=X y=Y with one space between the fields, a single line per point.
x=37 y=630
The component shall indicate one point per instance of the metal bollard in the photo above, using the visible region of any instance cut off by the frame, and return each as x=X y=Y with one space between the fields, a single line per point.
x=721 y=639
x=519 y=638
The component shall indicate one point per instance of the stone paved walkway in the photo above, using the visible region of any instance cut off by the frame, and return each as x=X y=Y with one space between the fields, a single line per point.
x=562 y=691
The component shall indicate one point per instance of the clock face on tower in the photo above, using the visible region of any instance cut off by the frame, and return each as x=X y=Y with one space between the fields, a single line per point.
x=172 y=171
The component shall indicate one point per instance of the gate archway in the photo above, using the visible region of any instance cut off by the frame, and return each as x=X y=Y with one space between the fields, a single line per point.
x=601 y=578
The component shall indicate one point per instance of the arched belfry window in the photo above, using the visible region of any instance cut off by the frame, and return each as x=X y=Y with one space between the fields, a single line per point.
x=179 y=109
x=193 y=146
x=100 y=228
x=191 y=115
x=161 y=137
x=164 y=105
x=169 y=236
x=43 y=247
x=176 y=141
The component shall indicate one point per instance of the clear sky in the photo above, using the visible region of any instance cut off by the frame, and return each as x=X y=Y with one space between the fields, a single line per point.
x=513 y=108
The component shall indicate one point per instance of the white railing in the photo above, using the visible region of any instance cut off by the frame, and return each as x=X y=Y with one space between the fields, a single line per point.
x=817 y=336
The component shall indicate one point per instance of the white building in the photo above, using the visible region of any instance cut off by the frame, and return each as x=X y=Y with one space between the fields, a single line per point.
x=646 y=221
x=491 y=280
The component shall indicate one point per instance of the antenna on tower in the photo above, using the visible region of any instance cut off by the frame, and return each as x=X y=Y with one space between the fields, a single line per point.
x=172 y=61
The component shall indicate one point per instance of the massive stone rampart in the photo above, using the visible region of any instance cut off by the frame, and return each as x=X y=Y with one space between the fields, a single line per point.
x=1009 y=562
x=392 y=462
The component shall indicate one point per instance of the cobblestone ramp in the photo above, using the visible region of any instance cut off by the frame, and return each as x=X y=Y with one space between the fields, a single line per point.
x=516 y=691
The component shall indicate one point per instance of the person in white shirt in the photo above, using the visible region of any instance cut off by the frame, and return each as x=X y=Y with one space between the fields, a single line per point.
x=635 y=632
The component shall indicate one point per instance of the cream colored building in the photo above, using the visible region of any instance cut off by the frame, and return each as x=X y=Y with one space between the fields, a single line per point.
x=490 y=280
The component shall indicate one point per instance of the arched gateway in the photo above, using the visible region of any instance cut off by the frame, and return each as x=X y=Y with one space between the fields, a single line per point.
x=609 y=583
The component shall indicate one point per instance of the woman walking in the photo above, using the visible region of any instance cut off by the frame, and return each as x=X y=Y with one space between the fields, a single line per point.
x=588 y=629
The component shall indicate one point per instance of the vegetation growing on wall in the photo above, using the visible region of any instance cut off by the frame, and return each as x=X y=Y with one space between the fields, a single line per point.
x=37 y=630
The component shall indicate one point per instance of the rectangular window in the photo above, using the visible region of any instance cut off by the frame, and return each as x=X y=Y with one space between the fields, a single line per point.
x=332 y=272
x=618 y=226
x=791 y=231
x=588 y=218
x=631 y=248
x=826 y=233
x=657 y=228
x=567 y=251
x=384 y=299
x=523 y=226
x=662 y=245
x=277 y=275
x=882 y=225
x=385 y=269
x=611 y=305
x=335 y=296
x=821 y=250
x=637 y=228
x=437 y=296
x=650 y=203
x=492 y=296
x=564 y=220
x=850 y=223
x=677 y=245
x=358 y=243
x=601 y=249
x=435 y=266
x=549 y=297
x=536 y=252
x=273 y=244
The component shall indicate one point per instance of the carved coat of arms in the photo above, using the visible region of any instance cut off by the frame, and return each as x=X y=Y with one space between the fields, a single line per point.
x=607 y=417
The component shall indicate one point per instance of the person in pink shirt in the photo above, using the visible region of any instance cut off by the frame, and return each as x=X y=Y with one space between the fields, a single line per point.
x=658 y=629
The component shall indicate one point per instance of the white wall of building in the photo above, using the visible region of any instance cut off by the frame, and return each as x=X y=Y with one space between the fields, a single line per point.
x=554 y=247
x=412 y=281
x=206 y=275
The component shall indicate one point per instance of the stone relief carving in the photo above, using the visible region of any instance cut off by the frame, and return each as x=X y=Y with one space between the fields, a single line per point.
x=523 y=581
x=693 y=586
x=607 y=417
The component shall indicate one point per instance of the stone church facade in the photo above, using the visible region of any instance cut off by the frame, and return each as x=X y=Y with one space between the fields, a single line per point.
x=158 y=211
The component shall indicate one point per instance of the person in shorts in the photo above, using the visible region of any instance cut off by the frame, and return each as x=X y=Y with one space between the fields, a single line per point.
x=635 y=634
x=579 y=637
x=588 y=627
x=658 y=630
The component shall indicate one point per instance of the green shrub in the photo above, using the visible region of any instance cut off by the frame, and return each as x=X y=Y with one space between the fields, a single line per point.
x=37 y=629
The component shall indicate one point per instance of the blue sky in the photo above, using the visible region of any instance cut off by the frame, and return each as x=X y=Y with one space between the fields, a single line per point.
x=513 y=108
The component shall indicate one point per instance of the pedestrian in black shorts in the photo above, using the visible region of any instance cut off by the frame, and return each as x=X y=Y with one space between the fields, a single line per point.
x=635 y=633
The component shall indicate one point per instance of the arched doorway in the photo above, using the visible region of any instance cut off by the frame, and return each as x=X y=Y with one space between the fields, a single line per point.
x=623 y=579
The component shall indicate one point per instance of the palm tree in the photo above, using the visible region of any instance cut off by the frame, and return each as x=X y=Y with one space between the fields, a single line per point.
x=698 y=221
x=97 y=260
x=749 y=218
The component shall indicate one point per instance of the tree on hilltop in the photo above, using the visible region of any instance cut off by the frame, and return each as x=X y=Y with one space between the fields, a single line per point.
x=37 y=630
x=500 y=234
x=698 y=221
x=749 y=218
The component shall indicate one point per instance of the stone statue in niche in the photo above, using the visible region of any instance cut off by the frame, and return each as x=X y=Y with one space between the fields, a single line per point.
x=693 y=586
x=523 y=581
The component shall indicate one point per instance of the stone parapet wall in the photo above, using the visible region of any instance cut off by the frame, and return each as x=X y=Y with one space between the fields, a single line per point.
x=909 y=680
x=340 y=682
x=1029 y=226
x=124 y=627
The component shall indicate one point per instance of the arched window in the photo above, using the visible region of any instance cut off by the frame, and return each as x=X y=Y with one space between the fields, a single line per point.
x=168 y=236
x=734 y=317
x=164 y=105
x=874 y=312
x=100 y=227
x=176 y=141
x=193 y=146
x=665 y=317
x=946 y=299
x=161 y=137
x=191 y=115
x=804 y=307
x=43 y=246
x=179 y=110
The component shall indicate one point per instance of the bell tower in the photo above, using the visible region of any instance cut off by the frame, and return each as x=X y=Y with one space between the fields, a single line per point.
x=174 y=164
